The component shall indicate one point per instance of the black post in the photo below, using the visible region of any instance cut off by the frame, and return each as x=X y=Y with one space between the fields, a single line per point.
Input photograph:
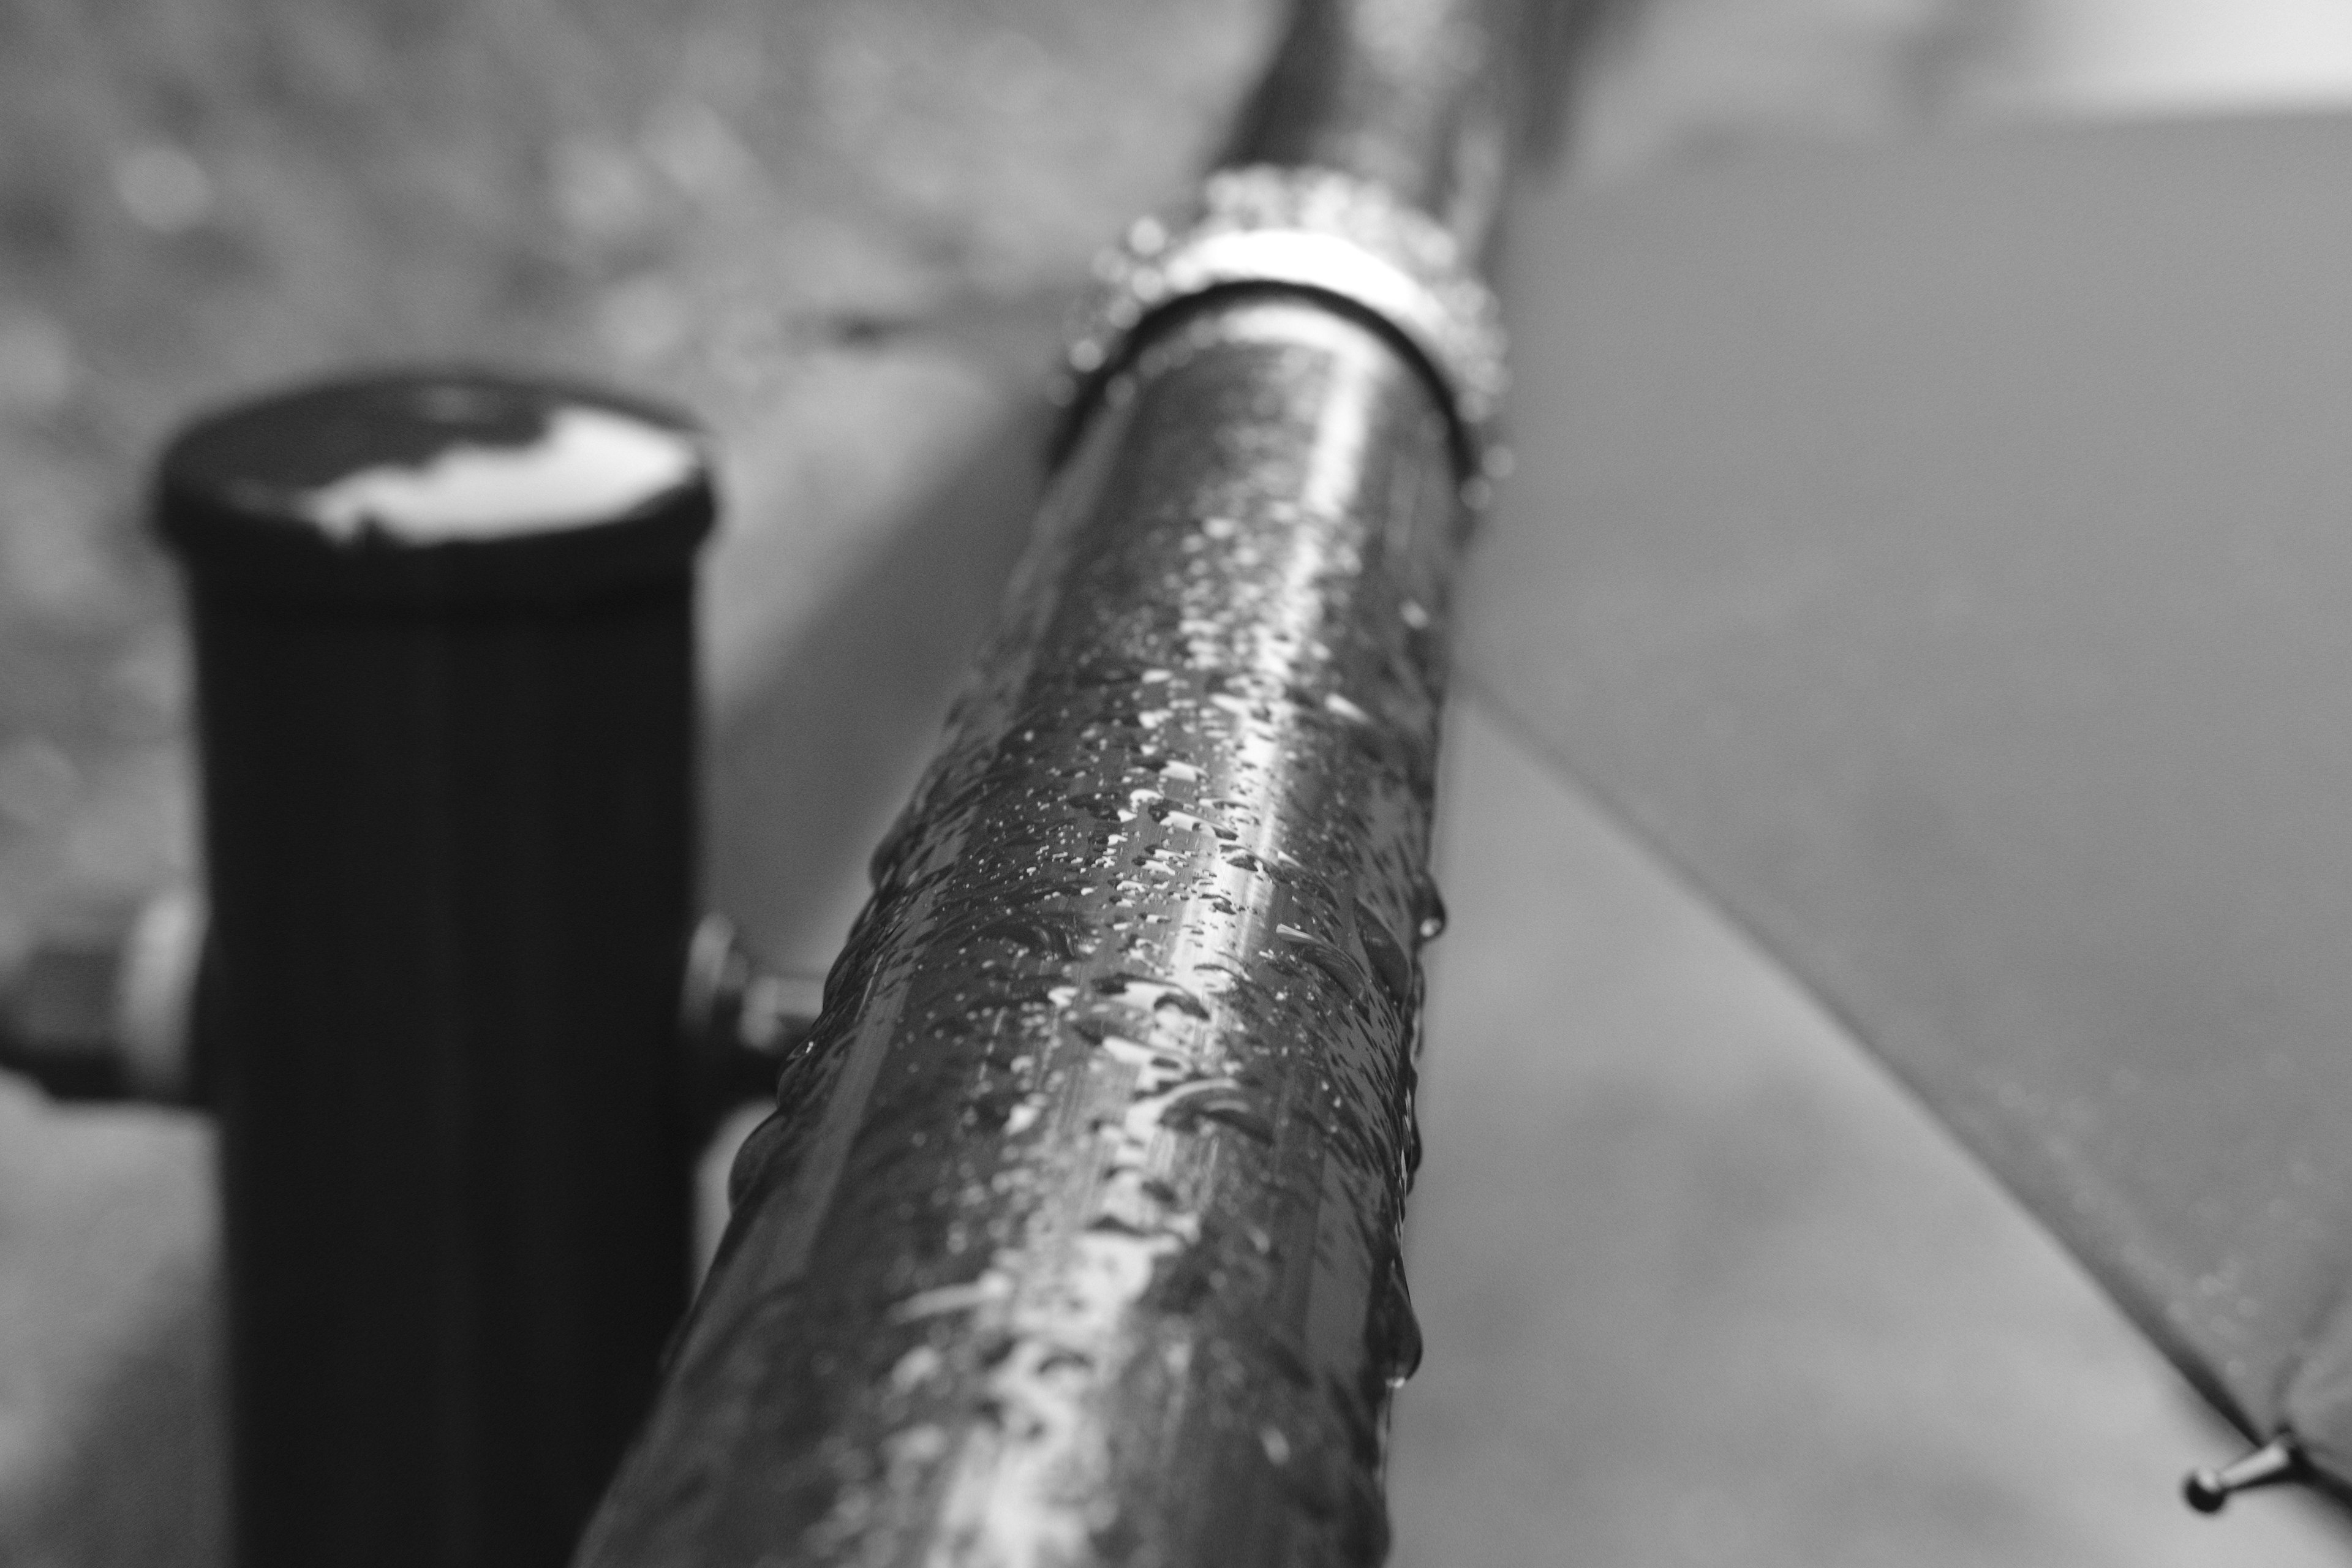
x=443 y=626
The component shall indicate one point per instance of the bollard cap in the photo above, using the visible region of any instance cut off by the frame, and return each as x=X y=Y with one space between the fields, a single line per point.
x=435 y=488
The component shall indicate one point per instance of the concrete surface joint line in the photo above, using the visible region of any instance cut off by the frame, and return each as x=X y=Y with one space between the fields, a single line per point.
x=1322 y=232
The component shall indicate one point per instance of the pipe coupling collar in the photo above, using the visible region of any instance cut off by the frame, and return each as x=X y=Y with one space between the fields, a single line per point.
x=1319 y=232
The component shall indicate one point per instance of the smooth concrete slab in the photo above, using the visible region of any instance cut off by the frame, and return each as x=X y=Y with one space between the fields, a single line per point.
x=1700 y=1284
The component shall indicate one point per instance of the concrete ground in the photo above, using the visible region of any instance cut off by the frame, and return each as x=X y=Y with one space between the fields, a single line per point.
x=1702 y=1285
x=1699 y=1285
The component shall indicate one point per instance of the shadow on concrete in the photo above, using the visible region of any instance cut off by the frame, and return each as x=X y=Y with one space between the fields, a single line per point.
x=804 y=778
x=136 y=1474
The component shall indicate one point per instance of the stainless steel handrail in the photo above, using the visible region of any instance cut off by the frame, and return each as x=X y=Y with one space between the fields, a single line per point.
x=1075 y=1236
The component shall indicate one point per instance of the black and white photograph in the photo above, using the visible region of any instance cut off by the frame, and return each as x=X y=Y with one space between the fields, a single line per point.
x=1175 y=783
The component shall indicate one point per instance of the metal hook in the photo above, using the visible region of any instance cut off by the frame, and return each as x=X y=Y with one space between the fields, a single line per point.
x=2280 y=1460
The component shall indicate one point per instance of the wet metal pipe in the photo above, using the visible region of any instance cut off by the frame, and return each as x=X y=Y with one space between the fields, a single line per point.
x=1424 y=99
x=1076 y=1237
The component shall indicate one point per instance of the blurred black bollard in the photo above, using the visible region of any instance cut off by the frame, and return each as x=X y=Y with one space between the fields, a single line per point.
x=445 y=663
